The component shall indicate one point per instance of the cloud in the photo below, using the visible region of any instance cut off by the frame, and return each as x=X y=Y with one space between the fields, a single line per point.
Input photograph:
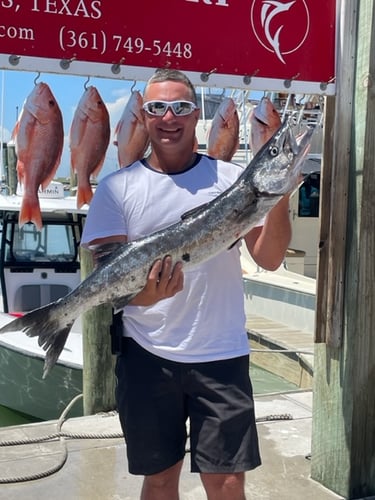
x=5 y=134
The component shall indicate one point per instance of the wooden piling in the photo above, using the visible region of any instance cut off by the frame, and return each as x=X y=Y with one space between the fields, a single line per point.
x=11 y=169
x=343 y=431
x=98 y=361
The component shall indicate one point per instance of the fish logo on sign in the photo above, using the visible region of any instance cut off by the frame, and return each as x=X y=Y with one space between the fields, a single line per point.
x=275 y=27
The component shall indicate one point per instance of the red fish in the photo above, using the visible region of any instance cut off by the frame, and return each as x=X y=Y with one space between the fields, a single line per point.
x=223 y=138
x=264 y=121
x=89 y=140
x=39 y=140
x=132 y=138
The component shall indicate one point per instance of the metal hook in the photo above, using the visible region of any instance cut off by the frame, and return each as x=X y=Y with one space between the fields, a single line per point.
x=65 y=63
x=247 y=78
x=324 y=85
x=133 y=86
x=14 y=60
x=206 y=76
x=116 y=68
x=288 y=83
x=86 y=82
x=36 y=78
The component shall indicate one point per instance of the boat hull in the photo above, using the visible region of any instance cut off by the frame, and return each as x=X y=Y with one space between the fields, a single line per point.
x=23 y=389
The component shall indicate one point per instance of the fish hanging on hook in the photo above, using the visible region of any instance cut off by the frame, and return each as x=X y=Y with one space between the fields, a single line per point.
x=89 y=139
x=131 y=136
x=39 y=138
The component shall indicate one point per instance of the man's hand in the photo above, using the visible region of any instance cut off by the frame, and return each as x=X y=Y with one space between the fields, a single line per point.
x=163 y=282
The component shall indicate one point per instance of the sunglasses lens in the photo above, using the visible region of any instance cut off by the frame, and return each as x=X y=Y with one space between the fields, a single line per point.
x=181 y=108
x=159 y=108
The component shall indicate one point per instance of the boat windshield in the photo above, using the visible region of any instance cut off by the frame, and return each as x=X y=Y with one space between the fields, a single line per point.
x=54 y=243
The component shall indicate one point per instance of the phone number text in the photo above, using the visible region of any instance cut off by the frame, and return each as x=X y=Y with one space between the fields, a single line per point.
x=99 y=41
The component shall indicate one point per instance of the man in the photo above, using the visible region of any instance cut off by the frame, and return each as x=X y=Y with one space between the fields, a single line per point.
x=185 y=351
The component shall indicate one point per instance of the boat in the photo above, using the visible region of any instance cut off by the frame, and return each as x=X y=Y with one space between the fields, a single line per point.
x=37 y=267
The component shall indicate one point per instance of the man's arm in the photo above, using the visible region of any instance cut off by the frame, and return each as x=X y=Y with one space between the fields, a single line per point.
x=268 y=244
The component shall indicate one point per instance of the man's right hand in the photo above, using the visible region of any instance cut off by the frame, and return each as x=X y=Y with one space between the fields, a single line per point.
x=163 y=282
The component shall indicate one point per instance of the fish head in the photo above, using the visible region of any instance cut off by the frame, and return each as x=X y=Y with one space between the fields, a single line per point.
x=278 y=164
x=92 y=106
x=227 y=109
x=41 y=104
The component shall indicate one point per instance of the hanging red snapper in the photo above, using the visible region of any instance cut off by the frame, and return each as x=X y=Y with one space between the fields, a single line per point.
x=264 y=121
x=39 y=140
x=89 y=139
x=131 y=135
x=223 y=138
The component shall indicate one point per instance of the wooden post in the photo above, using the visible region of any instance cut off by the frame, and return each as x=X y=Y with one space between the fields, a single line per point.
x=343 y=434
x=12 y=171
x=98 y=361
x=325 y=220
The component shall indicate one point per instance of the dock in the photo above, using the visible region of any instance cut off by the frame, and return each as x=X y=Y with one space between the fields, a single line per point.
x=87 y=458
x=287 y=352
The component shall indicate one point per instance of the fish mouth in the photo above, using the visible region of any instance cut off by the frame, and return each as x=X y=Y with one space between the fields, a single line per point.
x=279 y=178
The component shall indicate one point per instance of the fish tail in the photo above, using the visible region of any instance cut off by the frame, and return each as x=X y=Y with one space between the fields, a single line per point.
x=84 y=195
x=30 y=212
x=46 y=323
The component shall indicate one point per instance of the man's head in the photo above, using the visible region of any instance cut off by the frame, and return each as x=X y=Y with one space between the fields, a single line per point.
x=163 y=75
x=170 y=112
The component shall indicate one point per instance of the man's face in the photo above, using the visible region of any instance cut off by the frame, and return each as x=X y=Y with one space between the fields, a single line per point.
x=170 y=131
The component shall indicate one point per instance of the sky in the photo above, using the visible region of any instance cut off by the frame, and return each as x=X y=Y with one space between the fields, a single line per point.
x=15 y=86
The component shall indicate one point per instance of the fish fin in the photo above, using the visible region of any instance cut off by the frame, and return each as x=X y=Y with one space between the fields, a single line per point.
x=98 y=168
x=121 y=302
x=55 y=349
x=233 y=244
x=51 y=176
x=46 y=324
x=84 y=195
x=191 y=212
x=30 y=212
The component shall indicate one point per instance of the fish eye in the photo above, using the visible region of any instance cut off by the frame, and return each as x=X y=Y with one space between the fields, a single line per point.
x=274 y=150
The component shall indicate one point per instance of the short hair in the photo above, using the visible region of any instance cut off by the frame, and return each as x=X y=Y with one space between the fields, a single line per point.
x=165 y=74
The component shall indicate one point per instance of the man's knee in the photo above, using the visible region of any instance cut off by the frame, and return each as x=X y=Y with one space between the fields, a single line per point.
x=224 y=486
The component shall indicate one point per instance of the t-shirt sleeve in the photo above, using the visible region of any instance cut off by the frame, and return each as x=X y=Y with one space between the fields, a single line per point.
x=105 y=216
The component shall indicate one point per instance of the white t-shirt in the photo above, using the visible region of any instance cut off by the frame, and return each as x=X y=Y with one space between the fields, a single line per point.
x=206 y=320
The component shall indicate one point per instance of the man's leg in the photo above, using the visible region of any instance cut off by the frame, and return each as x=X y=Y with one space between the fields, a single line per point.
x=224 y=486
x=162 y=486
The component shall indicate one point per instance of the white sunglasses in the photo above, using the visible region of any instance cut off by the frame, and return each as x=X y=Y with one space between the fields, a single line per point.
x=159 y=108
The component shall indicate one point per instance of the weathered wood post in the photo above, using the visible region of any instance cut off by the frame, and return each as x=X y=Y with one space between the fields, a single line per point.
x=12 y=171
x=98 y=361
x=343 y=434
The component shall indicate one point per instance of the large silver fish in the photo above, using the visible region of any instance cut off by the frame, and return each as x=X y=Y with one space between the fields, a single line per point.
x=201 y=234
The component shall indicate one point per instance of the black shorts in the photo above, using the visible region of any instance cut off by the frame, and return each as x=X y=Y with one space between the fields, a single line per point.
x=156 y=397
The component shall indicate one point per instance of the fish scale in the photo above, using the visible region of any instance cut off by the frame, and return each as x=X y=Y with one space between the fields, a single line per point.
x=200 y=235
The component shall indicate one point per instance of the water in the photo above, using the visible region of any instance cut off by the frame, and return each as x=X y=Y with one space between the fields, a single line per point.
x=263 y=382
x=10 y=417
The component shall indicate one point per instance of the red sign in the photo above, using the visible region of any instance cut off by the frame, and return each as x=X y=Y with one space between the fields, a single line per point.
x=245 y=42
